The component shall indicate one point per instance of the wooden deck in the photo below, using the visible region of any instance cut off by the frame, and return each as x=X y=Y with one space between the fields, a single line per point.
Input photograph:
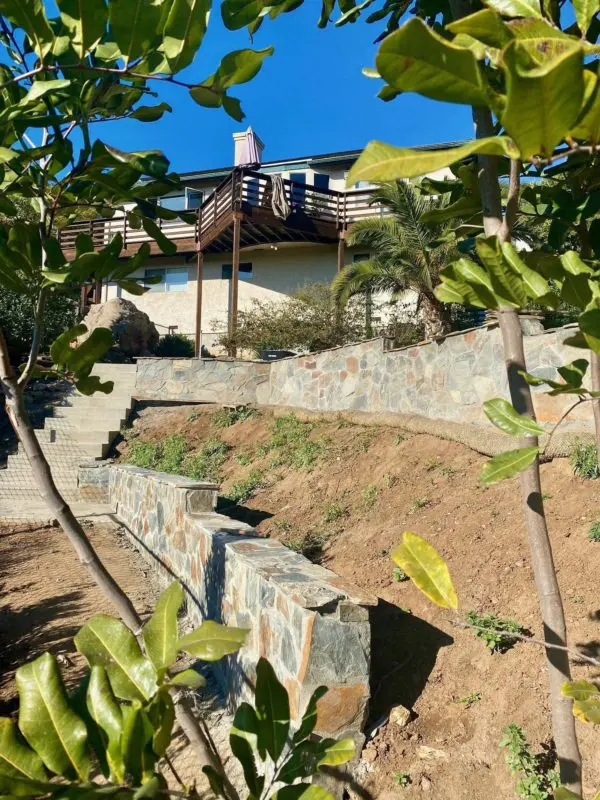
x=316 y=215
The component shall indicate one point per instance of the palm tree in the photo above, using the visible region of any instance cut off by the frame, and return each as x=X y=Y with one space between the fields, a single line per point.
x=406 y=255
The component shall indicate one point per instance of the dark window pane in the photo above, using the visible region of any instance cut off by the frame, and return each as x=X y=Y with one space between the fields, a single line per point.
x=245 y=271
x=298 y=187
x=321 y=181
x=194 y=199
x=175 y=203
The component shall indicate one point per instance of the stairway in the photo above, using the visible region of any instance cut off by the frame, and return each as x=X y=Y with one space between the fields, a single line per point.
x=80 y=430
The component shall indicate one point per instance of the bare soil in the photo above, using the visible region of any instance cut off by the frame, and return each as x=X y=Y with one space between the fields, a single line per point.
x=377 y=483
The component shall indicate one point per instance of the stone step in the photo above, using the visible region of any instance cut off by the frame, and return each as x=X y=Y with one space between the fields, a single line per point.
x=77 y=434
x=101 y=415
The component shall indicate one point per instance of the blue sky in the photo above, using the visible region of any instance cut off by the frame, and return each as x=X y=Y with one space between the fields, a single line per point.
x=310 y=97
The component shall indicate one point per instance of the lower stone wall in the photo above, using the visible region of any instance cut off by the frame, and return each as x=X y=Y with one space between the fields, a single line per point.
x=203 y=380
x=311 y=625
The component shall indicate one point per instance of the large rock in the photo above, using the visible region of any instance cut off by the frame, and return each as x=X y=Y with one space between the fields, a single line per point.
x=133 y=330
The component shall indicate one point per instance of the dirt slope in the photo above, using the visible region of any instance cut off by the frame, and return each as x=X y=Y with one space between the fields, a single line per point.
x=348 y=510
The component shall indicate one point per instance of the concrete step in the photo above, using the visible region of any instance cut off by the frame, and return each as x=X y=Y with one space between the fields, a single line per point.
x=81 y=414
x=77 y=434
x=117 y=369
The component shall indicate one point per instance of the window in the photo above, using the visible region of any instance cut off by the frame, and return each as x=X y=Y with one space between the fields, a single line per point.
x=321 y=181
x=194 y=198
x=186 y=201
x=245 y=271
x=172 y=280
x=175 y=202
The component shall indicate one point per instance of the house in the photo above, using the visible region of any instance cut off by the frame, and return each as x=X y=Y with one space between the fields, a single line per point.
x=244 y=246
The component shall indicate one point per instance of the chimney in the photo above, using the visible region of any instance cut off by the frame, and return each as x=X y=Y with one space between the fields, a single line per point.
x=240 y=149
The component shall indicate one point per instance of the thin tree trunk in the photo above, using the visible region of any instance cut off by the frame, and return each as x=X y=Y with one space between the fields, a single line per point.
x=435 y=316
x=368 y=313
x=19 y=419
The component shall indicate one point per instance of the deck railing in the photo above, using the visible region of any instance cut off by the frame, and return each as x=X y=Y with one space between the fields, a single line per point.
x=241 y=189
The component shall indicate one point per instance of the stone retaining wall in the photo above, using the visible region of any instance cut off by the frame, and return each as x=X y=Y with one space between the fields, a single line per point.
x=310 y=624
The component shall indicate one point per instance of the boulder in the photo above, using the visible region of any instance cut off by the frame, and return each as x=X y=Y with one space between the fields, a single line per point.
x=133 y=331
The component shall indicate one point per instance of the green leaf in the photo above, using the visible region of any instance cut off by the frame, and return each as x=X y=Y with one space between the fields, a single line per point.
x=188 y=678
x=16 y=759
x=384 y=162
x=507 y=286
x=106 y=713
x=216 y=781
x=85 y=20
x=31 y=17
x=339 y=752
x=136 y=743
x=557 y=85
x=184 y=31
x=574 y=373
x=168 y=247
x=82 y=358
x=562 y=793
x=150 y=113
x=416 y=59
x=243 y=739
x=589 y=324
x=134 y=25
x=509 y=464
x=585 y=11
x=161 y=713
x=425 y=566
x=42 y=88
x=161 y=631
x=501 y=414
x=485 y=26
x=106 y=642
x=574 y=265
x=272 y=709
x=211 y=641
x=146 y=162
x=516 y=8
x=237 y=14
x=587 y=126
x=46 y=720
x=303 y=791
x=586 y=700
x=534 y=284
x=90 y=384
x=309 y=719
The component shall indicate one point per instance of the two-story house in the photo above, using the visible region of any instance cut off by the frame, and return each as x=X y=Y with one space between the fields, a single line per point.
x=263 y=231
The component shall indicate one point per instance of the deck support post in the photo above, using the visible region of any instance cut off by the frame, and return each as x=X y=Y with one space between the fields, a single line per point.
x=235 y=279
x=341 y=250
x=199 y=287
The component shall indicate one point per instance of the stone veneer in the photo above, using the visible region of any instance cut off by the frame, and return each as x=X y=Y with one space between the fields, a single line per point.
x=203 y=380
x=310 y=624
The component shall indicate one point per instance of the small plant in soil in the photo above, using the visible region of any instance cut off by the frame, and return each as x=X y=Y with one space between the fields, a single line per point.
x=417 y=503
x=495 y=631
x=594 y=531
x=584 y=460
x=241 y=491
x=399 y=438
x=142 y=454
x=292 y=445
x=310 y=545
x=399 y=575
x=469 y=699
x=537 y=776
x=226 y=417
x=334 y=511
x=244 y=459
x=401 y=779
x=196 y=414
x=390 y=480
x=172 y=452
x=369 y=496
x=431 y=464
x=206 y=463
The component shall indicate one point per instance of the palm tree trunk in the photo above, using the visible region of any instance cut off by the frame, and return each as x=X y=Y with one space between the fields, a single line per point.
x=435 y=316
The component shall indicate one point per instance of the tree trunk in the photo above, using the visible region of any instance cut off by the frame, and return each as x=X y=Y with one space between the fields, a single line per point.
x=595 y=373
x=368 y=313
x=435 y=316
x=19 y=419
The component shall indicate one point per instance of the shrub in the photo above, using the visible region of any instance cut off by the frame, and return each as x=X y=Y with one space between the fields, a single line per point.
x=584 y=460
x=143 y=454
x=172 y=452
x=495 y=631
x=538 y=776
x=176 y=345
x=594 y=531
x=226 y=417
x=333 y=512
x=206 y=463
x=242 y=491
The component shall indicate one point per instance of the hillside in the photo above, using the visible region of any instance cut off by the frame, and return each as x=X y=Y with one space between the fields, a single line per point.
x=343 y=494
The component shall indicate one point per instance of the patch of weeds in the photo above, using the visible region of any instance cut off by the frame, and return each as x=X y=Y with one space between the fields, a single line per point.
x=390 y=480
x=310 y=545
x=469 y=699
x=399 y=575
x=241 y=491
x=262 y=450
x=206 y=463
x=447 y=471
x=282 y=525
x=143 y=454
x=546 y=496
x=128 y=433
x=292 y=445
x=369 y=496
x=196 y=414
x=431 y=463
x=399 y=438
x=244 y=459
x=594 y=531
x=226 y=417
x=418 y=502
x=495 y=631
x=584 y=460
x=333 y=512
x=401 y=779
x=172 y=452
x=365 y=439
x=537 y=774
x=342 y=423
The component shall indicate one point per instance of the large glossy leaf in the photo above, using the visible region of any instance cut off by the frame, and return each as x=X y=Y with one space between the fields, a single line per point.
x=467 y=283
x=82 y=358
x=586 y=700
x=485 y=26
x=161 y=631
x=585 y=11
x=309 y=718
x=338 y=752
x=168 y=247
x=188 y=678
x=106 y=713
x=40 y=89
x=272 y=709
x=243 y=740
x=507 y=286
x=534 y=284
x=509 y=464
x=240 y=66
x=425 y=566
x=501 y=414
x=384 y=162
x=557 y=84
x=303 y=791
x=415 y=59
x=85 y=20
x=106 y=642
x=184 y=30
x=574 y=265
x=16 y=759
x=211 y=641
x=161 y=713
x=587 y=126
x=239 y=13
x=47 y=721
x=133 y=26
x=30 y=16
x=589 y=324
x=136 y=744
x=516 y=8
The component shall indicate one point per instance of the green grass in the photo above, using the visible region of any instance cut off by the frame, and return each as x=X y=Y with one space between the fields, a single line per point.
x=334 y=511
x=417 y=503
x=244 y=459
x=291 y=445
x=226 y=417
x=242 y=491
x=584 y=460
x=594 y=531
x=369 y=496
x=206 y=463
x=469 y=699
x=495 y=631
x=401 y=779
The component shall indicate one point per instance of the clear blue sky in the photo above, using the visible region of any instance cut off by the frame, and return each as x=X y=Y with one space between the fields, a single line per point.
x=310 y=97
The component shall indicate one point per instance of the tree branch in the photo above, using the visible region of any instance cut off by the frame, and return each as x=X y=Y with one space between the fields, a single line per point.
x=38 y=329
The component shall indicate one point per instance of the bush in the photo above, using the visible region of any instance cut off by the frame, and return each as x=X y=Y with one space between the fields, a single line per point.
x=242 y=491
x=584 y=460
x=495 y=631
x=594 y=531
x=206 y=463
x=171 y=455
x=176 y=345
x=226 y=417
